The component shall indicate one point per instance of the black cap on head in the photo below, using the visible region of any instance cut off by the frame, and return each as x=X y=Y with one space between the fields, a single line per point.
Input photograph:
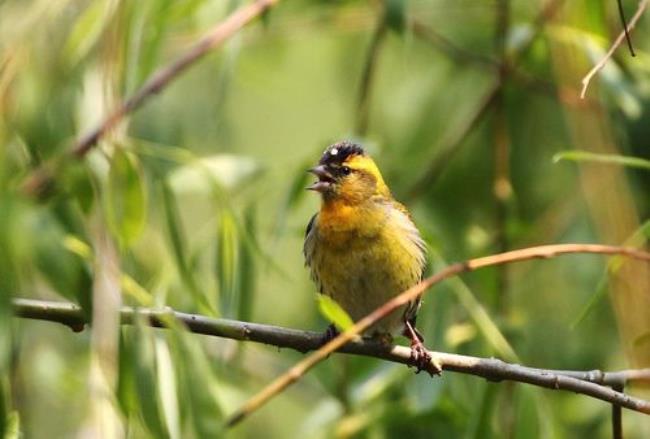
x=337 y=153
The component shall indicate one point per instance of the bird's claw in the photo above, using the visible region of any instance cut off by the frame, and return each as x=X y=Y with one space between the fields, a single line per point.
x=421 y=359
x=330 y=333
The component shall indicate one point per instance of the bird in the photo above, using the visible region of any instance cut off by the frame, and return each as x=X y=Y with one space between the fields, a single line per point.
x=362 y=247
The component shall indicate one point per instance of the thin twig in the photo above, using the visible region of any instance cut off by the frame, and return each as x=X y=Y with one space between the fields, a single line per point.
x=363 y=102
x=617 y=415
x=621 y=14
x=599 y=66
x=490 y=368
x=455 y=139
x=451 y=143
x=161 y=78
x=546 y=251
x=457 y=53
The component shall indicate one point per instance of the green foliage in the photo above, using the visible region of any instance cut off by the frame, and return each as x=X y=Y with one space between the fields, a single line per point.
x=127 y=207
x=333 y=312
x=202 y=191
x=612 y=159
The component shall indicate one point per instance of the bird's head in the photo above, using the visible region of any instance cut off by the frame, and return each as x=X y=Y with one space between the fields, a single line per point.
x=347 y=174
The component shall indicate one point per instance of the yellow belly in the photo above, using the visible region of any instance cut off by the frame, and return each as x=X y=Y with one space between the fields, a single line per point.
x=363 y=272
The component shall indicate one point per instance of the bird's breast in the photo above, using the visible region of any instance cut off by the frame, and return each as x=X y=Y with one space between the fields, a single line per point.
x=364 y=263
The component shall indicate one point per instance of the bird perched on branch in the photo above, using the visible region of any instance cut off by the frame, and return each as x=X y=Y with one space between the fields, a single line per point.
x=362 y=247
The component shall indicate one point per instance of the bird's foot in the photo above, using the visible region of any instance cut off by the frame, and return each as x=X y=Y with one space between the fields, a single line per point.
x=420 y=357
x=330 y=334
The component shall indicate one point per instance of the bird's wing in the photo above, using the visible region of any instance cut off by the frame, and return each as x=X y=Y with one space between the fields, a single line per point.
x=309 y=247
x=404 y=221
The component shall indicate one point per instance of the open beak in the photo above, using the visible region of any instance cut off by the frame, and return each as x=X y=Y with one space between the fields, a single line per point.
x=325 y=179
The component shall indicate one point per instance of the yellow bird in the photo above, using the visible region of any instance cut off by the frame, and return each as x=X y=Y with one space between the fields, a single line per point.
x=362 y=247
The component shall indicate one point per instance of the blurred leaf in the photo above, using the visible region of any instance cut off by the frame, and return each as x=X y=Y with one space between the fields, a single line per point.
x=126 y=198
x=64 y=271
x=638 y=238
x=481 y=419
x=167 y=386
x=598 y=294
x=479 y=314
x=87 y=29
x=76 y=179
x=4 y=415
x=333 y=312
x=177 y=241
x=227 y=260
x=131 y=287
x=78 y=247
x=229 y=171
x=146 y=382
x=247 y=268
x=13 y=426
x=294 y=194
x=125 y=389
x=396 y=14
x=459 y=333
x=198 y=387
x=612 y=159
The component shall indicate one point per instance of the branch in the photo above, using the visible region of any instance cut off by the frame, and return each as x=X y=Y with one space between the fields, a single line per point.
x=452 y=142
x=372 y=57
x=599 y=66
x=544 y=251
x=455 y=139
x=585 y=382
x=40 y=179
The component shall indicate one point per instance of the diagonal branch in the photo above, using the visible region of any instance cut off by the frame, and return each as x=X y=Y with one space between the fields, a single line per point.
x=545 y=251
x=590 y=383
x=39 y=180
x=643 y=4
x=456 y=138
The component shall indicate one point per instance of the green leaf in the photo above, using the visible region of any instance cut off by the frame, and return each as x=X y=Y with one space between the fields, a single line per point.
x=638 y=238
x=294 y=194
x=64 y=271
x=227 y=260
x=146 y=383
x=125 y=389
x=12 y=430
x=479 y=314
x=396 y=14
x=77 y=181
x=177 y=241
x=198 y=386
x=611 y=159
x=228 y=171
x=247 y=265
x=126 y=198
x=87 y=29
x=167 y=386
x=333 y=312
x=4 y=416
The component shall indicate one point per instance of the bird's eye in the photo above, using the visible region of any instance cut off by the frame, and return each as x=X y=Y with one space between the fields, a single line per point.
x=345 y=170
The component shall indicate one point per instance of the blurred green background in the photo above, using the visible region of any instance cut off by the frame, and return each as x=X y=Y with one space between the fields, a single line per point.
x=196 y=202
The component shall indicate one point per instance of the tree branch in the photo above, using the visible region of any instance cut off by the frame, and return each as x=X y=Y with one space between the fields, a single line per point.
x=372 y=57
x=40 y=180
x=455 y=138
x=591 y=383
x=599 y=66
x=545 y=251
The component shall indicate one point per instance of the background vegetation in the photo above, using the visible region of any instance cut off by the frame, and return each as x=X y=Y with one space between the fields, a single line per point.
x=196 y=202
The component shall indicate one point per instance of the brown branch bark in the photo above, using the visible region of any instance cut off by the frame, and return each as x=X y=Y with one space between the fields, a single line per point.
x=40 y=180
x=592 y=383
x=545 y=251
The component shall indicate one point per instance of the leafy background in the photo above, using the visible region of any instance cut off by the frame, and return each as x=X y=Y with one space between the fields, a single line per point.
x=196 y=202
